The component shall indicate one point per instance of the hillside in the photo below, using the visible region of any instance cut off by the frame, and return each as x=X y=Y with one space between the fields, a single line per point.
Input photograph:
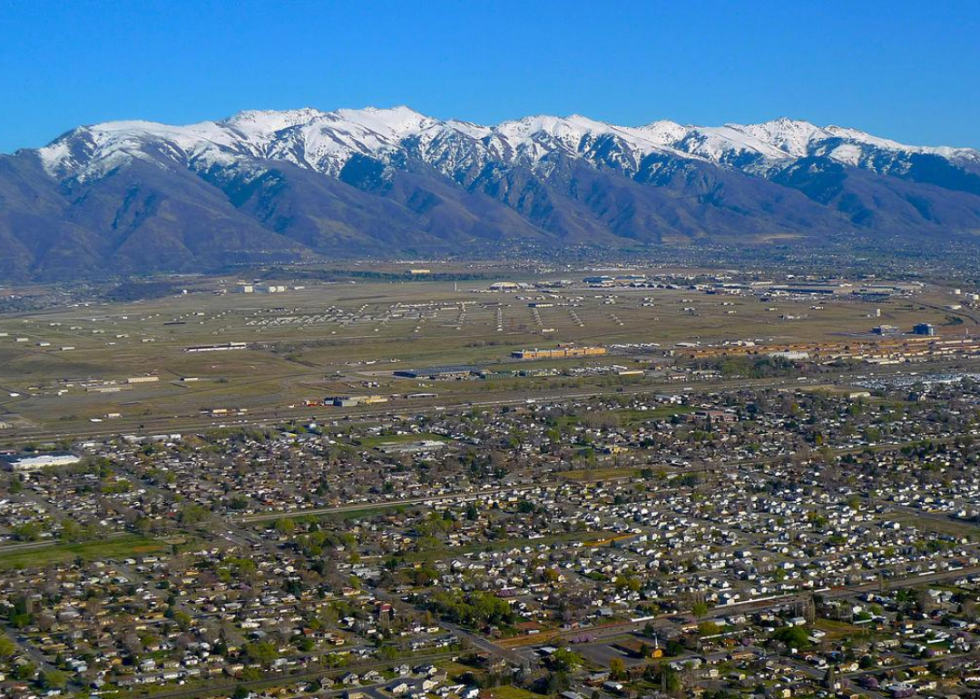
x=133 y=197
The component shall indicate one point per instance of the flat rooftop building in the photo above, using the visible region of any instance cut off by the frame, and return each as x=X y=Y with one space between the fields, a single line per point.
x=559 y=353
x=223 y=347
x=35 y=462
x=449 y=371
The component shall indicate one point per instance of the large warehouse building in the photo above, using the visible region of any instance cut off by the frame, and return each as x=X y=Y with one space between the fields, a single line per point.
x=35 y=462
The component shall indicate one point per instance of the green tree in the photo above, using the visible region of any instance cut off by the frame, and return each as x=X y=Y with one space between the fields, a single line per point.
x=285 y=526
x=190 y=515
x=24 y=672
x=709 y=628
x=793 y=636
x=555 y=683
x=53 y=679
x=564 y=660
x=261 y=652
x=7 y=648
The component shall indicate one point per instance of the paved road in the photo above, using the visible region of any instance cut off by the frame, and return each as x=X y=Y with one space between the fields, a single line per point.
x=228 y=687
x=357 y=507
x=165 y=425
x=36 y=656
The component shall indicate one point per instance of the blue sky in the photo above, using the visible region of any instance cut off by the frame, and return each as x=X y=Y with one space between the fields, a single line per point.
x=904 y=70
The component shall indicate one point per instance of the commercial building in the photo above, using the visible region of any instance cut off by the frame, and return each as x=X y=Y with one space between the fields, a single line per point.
x=828 y=289
x=791 y=355
x=353 y=401
x=224 y=347
x=35 y=462
x=449 y=371
x=886 y=330
x=559 y=353
x=509 y=286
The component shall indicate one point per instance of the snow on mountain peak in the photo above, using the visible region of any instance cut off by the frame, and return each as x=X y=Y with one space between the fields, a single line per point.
x=665 y=132
x=271 y=120
x=396 y=121
x=790 y=136
x=325 y=141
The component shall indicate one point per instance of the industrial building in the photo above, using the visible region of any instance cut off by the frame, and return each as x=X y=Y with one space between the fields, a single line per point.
x=886 y=330
x=449 y=371
x=223 y=347
x=35 y=462
x=509 y=286
x=142 y=379
x=559 y=353
x=353 y=401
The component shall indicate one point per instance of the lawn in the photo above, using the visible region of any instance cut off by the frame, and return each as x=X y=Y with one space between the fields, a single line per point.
x=121 y=547
x=512 y=692
x=838 y=630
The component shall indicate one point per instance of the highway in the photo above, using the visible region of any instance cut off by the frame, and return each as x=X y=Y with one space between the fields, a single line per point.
x=263 y=417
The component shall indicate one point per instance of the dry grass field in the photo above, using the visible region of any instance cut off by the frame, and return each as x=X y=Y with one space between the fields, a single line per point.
x=71 y=366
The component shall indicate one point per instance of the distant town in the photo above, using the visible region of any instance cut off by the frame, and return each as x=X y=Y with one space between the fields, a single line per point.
x=492 y=481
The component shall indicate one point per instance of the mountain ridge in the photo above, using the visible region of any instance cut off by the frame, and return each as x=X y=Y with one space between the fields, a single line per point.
x=260 y=133
x=139 y=196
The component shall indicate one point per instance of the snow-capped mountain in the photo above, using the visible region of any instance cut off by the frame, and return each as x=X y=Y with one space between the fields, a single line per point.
x=292 y=184
x=326 y=141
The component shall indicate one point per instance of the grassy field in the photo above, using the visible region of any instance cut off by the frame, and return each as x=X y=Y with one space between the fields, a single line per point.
x=511 y=692
x=599 y=474
x=347 y=339
x=838 y=630
x=121 y=547
x=941 y=525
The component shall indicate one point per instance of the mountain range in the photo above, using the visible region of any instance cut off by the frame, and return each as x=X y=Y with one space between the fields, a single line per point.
x=132 y=197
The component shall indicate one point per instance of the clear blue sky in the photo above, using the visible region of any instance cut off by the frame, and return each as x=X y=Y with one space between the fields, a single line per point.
x=905 y=70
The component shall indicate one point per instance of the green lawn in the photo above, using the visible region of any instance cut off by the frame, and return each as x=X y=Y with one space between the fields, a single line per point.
x=121 y=547
x=512 y=692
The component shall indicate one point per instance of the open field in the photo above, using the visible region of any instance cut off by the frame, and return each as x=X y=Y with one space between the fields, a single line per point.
x=128 y=363
x=120 y=547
